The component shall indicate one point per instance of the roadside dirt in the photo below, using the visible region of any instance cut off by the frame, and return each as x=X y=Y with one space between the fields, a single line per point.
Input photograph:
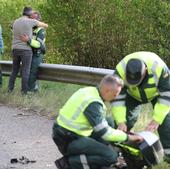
x=26 y=135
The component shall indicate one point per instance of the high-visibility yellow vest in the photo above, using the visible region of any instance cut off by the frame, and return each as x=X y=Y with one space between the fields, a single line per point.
x=154 y=67
x=35 y=41
x=71 y=116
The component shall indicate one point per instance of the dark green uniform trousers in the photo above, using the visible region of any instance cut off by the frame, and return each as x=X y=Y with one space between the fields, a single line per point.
x=36 y=60
x=133 y=111
x=0 y=77
x=83 y=152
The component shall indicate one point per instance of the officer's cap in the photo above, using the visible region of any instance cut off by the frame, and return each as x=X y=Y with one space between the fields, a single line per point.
x=135 y=70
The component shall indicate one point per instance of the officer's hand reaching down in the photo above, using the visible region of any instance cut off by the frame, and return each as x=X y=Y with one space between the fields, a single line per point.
x=122 y=126
x=152 y=126
x=135 y=138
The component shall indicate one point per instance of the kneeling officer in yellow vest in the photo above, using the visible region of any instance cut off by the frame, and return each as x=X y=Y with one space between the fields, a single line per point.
x=83 y=114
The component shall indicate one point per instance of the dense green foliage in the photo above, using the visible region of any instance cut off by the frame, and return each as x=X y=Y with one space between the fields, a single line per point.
x=96 y=32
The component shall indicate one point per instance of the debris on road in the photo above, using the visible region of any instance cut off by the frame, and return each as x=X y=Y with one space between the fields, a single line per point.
x=25 y=133
x=22 y=160
x=22 y=114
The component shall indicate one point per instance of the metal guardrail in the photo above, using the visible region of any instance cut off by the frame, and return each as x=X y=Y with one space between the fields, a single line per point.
x=64 y=73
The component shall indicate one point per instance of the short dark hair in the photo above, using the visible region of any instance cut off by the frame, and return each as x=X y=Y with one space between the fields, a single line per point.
x=27 y=11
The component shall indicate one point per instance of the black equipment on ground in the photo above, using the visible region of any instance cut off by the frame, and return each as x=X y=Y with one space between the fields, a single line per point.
x=147 y=153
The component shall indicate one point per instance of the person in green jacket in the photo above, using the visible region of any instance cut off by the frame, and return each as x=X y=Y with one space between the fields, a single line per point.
x=82 y=115
x=37 y=43
x=147 y=79
x=1 y=52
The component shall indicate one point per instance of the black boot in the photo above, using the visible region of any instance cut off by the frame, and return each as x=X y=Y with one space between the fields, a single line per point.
x=62 y=163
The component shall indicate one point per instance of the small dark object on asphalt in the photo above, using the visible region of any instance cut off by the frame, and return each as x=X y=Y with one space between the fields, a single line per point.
x=22 y=160
x=14 y=160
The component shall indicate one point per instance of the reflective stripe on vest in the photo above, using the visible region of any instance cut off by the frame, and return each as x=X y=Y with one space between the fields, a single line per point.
x=35 y=32
x=121 y=96
x=165 y=94
x=118 y=103
x=155 y=76
x=101 y=126
x=164 y=102
x=71 y=124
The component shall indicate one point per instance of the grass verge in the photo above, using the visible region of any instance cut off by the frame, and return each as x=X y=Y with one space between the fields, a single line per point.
x=47 y=101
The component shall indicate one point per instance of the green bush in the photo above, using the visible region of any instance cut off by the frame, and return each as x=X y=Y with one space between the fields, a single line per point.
x=95 y=33
x=100 y=33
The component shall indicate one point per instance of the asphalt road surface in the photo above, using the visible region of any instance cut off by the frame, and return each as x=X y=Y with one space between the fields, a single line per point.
x=25 y=137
